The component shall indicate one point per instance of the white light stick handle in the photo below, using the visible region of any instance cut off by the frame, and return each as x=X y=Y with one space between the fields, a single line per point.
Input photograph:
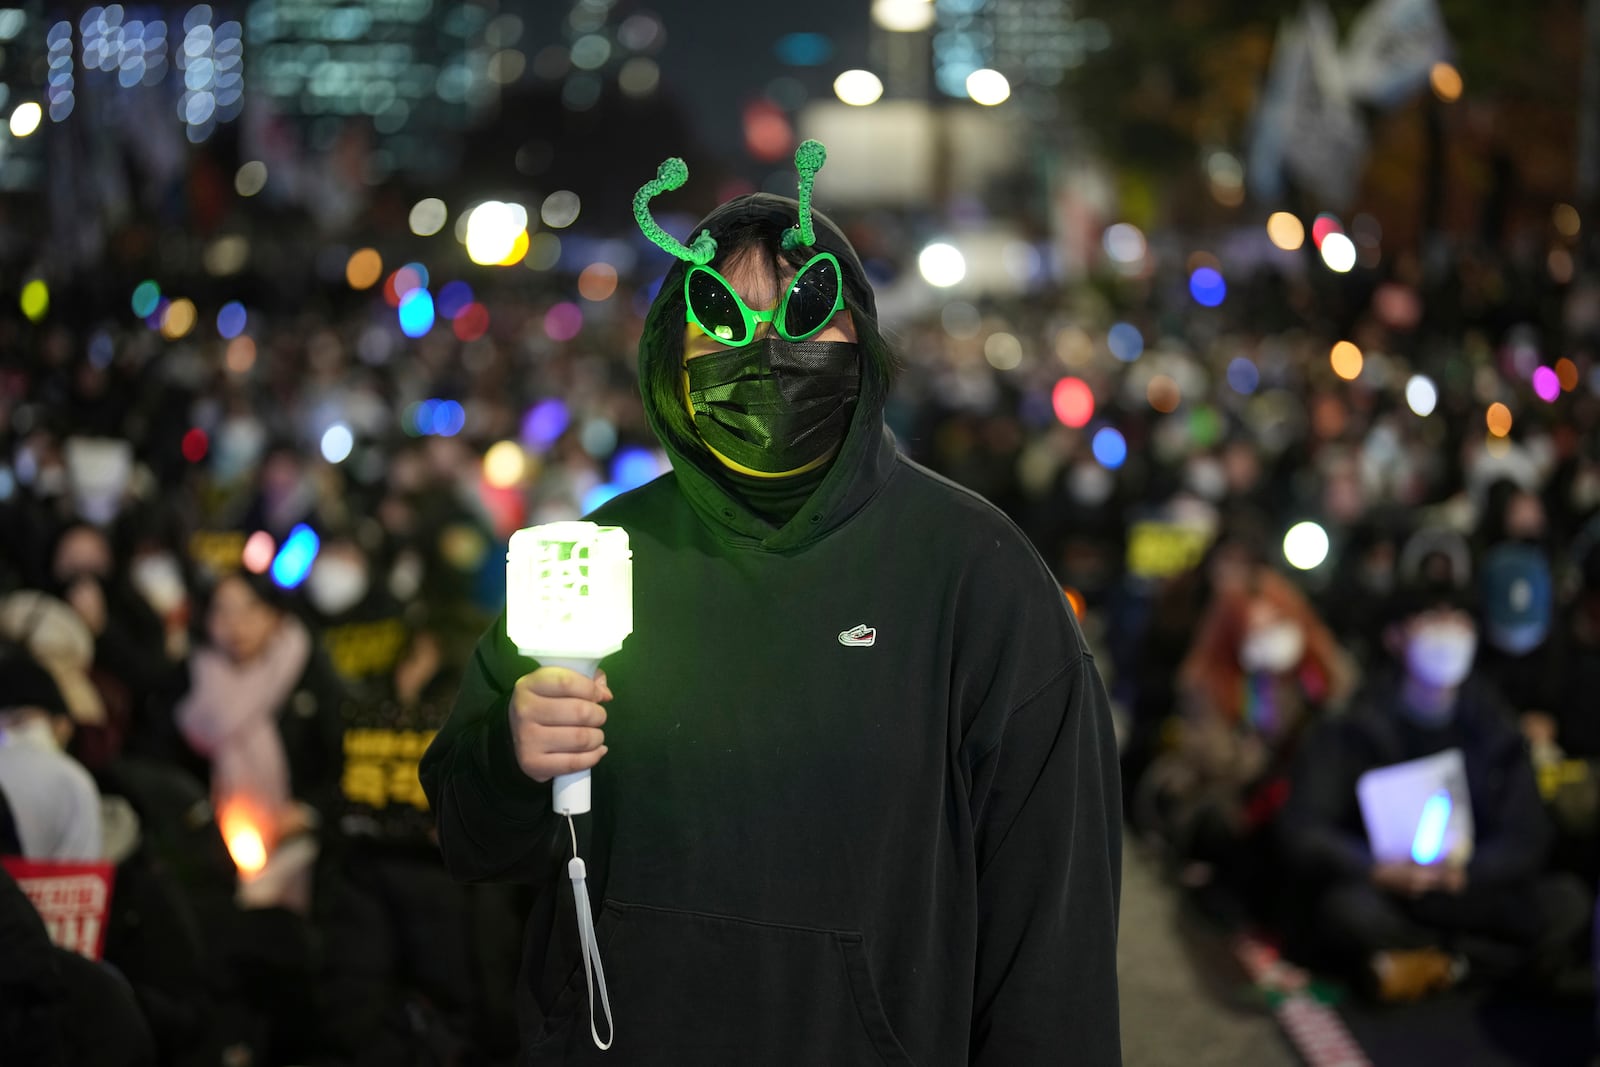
x=570 y=793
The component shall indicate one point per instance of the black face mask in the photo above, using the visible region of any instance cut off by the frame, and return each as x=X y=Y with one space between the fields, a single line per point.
x=774 y=405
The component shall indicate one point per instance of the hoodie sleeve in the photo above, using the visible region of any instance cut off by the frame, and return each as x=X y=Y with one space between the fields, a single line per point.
x=1515 y=834
x=1314 y=826
x=1047 y=808
x=494 y=822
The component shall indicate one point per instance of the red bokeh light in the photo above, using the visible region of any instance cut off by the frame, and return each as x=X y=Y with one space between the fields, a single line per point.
x=767 y=134
x=1074 y=402
x=1324 y=225
x=195 y=445
x=398 y=284
x=472 y=322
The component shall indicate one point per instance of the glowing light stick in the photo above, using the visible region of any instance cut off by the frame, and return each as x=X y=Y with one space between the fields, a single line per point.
x=569 y=603
x=1431 y=827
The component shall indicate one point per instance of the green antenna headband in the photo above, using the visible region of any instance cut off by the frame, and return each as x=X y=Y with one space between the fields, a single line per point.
x=669 y=176
x=808 y=159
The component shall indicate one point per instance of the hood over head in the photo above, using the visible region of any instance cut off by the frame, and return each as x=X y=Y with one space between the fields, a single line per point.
x=756 y=224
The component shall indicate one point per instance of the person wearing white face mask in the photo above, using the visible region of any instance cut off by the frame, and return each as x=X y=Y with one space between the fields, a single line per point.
x=339 y=580
x=1407 y=929
x=1262 y=667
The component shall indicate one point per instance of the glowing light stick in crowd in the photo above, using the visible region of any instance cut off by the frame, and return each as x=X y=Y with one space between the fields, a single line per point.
x=569 y=603
x=1431 y=826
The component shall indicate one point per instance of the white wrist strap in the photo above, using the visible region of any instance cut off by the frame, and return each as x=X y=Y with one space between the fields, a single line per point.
x=591 y=946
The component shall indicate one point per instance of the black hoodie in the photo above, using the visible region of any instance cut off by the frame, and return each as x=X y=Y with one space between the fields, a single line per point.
x=806 y=851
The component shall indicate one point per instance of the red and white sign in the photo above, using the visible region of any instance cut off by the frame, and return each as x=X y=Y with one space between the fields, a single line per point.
x=74 y=899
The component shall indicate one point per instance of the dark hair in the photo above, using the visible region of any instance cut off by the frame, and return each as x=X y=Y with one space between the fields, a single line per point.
x=744 y=225
x=261 y=587
x=25 y=683
x=1416 y=598
x=72 y=526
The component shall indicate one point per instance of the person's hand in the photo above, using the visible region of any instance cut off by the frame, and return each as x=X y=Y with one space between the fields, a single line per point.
x=297 y=818
x=1408 y=879
x=1396 y=877
x=1539 y=727
x=555 y=722
x=89 y=601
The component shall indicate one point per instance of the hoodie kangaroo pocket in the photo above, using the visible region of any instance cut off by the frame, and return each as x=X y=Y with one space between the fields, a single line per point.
x=688 y=987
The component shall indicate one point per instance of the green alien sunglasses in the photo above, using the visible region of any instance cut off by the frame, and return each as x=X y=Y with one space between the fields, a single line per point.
x=814 y=296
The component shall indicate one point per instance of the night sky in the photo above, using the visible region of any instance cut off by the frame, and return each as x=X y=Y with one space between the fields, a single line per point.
x=719 y=53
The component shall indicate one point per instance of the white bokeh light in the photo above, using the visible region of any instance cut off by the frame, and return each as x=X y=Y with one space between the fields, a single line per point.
x=903 y=16
x=988 y=87
x=26 y=118
x=337 y=442
x=492 y=232
x=428 y=216
x=1124 y=242
x=1421 y=394
x=1305 y=546
x=858 y=88
x=1339 y=253
x=942 y=265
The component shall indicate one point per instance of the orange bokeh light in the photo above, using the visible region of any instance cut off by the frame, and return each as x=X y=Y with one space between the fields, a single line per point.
x=241 y=354
x=597 y=282
x=363 y=269
x=1499 y=419
x=1347 y=361
x=1163 y=394
x=1567 y=374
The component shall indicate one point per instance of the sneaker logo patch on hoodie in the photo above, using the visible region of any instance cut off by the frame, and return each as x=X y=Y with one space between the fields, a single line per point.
x=858 y=637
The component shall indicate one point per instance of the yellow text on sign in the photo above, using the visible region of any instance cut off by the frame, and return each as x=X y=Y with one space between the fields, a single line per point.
x=380 y=767
x=1162 y=549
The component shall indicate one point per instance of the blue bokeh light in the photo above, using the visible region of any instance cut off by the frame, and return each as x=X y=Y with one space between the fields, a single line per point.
x=1125 y=342
x=545 y=422
x=1243 y=376
x=803 y=49
x=425 y=417
x=632 y=467
x=599 y=495
x=293 y=561
x=449 y=418
x=1110 y=448
x=453 y=299
x=1207 y=287
x=231 y=319
x=416 y=313
x=421 y=273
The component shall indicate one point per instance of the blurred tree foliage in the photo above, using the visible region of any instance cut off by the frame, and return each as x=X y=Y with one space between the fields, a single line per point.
x=1182 y=76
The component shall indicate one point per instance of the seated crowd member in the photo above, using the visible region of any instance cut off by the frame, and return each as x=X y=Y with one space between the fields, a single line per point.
x=54 y=804
x=263 y=710
x=1262 y=669
x=411 y=958
x=1406 y=929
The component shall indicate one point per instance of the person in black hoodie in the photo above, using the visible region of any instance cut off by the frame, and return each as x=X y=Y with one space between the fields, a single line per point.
x=1404 y=928
x=863 y=805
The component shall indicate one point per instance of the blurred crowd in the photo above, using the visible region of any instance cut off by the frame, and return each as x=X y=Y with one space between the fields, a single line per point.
x=241 y=575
